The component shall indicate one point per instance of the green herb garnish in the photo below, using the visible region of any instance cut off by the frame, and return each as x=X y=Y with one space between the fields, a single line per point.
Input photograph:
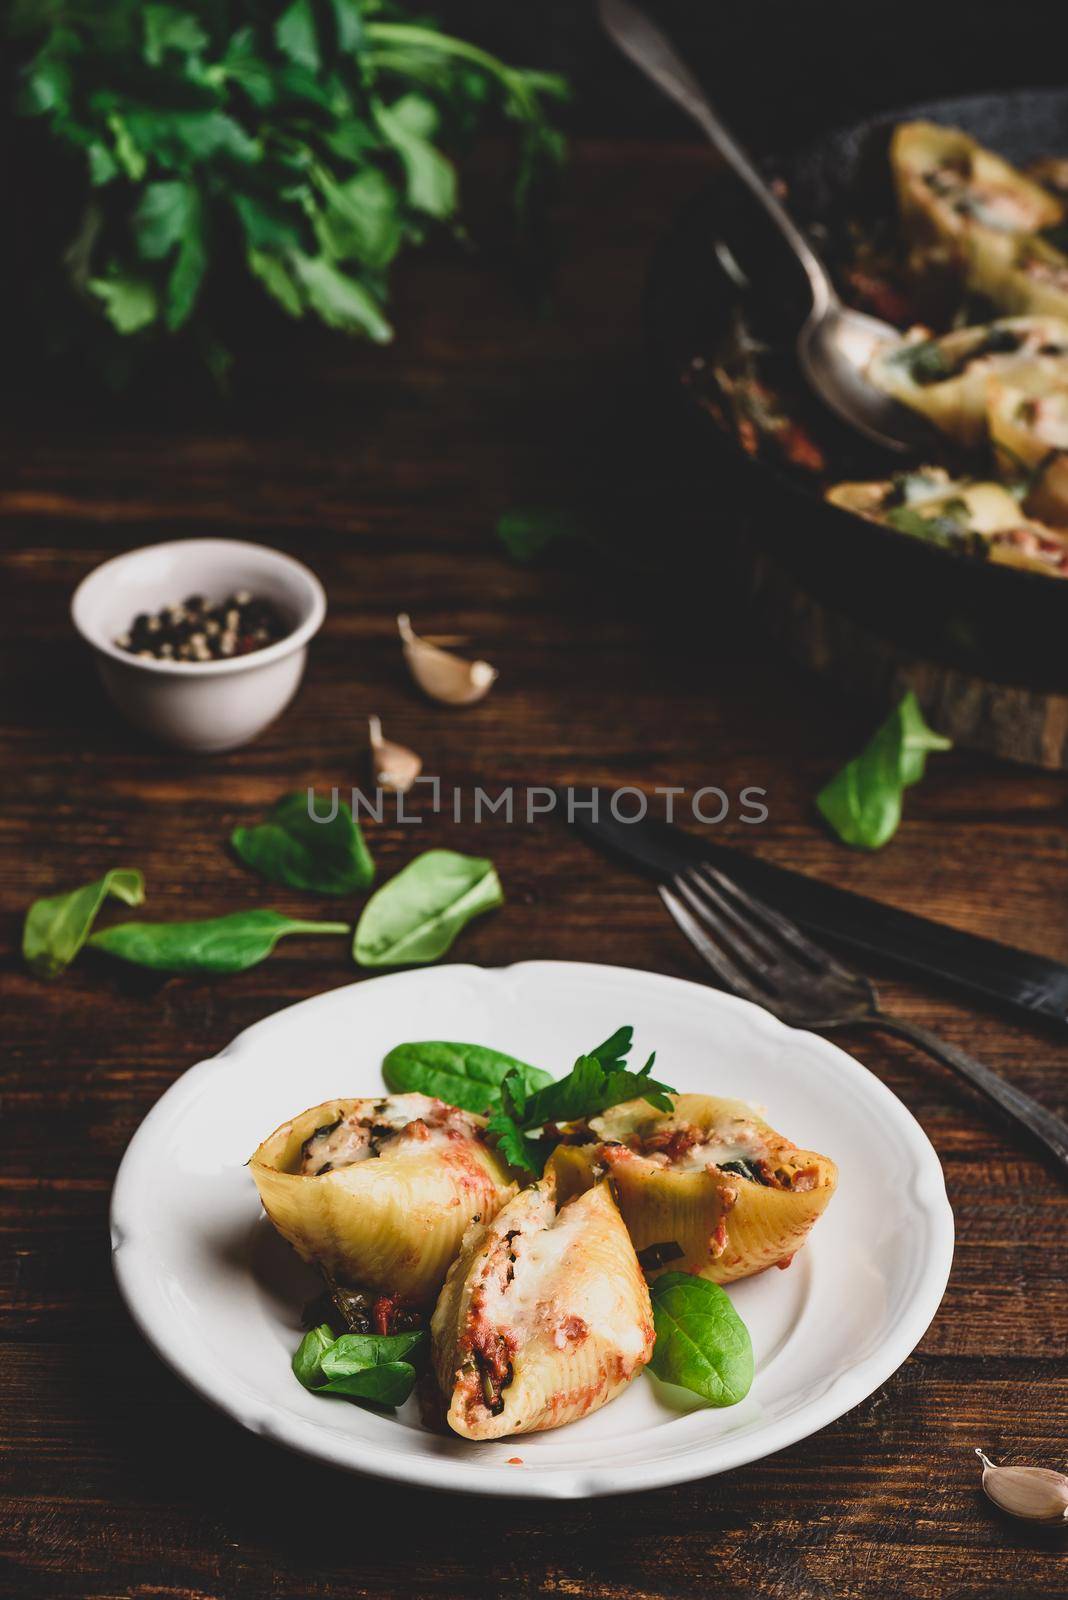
x=301 y=849
x=294 y=145
x=702 y=1344
x=220 y=944
x=863 y=802
x=56 y=928
x=415 y=917
x=596 y=1082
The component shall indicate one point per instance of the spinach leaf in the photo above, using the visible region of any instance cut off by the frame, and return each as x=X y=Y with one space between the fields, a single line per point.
x=307 y=1362
x=702 y=1344
x=528 y=530
x=465 y=1075
x=57 y=927
x=220 y=944
x=863 y=802
x=416 y=916
x=357 y=1366
x=387 y=1385
x=296 y=848
x=354 y=1351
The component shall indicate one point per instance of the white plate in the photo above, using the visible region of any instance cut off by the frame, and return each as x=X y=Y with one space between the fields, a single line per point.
x=219 y=1296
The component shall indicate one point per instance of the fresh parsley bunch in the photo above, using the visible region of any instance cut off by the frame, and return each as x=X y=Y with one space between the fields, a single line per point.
x=302 y=142
x=596 y=1081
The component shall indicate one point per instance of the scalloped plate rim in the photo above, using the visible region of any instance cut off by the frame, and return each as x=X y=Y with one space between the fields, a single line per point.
x=137 y=1271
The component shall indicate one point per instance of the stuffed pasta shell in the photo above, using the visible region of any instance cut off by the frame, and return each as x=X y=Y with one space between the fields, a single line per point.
x=545 y=1315
x=946 y=379
x=378 y=1192
x=1047 y=498
x=1034 y=279
x=1027 y=414
x=709 y=1189
x=1051 y=172
x=983 y=519
x=963 y=208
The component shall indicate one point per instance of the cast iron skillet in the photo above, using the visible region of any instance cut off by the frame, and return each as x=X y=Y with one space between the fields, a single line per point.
x=999 y=622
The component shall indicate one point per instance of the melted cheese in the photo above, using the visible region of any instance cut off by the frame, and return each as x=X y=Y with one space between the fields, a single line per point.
x=410 y=1120
x=734 y=1139
x=1048 y=418
x=538 y=1294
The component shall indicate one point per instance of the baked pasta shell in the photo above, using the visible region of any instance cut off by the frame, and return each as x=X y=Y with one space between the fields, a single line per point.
x=726 y=1226
x=962 y=207
x=957 y=404
x=980 y=518
x=392 y=1223
x=1027 y=414
x=1048 y=499
x=558 y=1338
x=1034 y=281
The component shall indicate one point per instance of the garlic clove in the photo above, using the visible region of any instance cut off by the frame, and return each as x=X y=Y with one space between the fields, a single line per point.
x=1034 y=1493
x=439 y=673
x=394 y=766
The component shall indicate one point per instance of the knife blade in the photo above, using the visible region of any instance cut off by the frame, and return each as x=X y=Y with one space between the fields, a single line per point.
x=996 y=972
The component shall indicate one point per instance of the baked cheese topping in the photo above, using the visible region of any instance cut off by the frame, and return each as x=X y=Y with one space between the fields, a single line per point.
x=684 y=1147
x=1004 y=207
x=527 y=1290
x=1047 y=417
x=374 y=1126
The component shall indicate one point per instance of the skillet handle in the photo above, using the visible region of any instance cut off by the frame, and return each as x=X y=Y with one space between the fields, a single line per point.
x=651 y=50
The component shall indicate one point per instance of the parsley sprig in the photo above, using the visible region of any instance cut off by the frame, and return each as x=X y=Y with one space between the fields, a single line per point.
x=597 y=1081
x=298 y=145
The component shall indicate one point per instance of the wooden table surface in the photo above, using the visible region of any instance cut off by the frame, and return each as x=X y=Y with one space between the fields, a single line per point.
x=385 y=470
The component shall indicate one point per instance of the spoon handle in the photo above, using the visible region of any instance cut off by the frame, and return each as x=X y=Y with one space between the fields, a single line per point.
x=651 y=50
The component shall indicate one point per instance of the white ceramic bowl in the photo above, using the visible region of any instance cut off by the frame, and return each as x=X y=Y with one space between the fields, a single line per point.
x=199 y=705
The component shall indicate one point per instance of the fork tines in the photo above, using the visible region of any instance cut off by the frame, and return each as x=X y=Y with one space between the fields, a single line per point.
x=752 y=948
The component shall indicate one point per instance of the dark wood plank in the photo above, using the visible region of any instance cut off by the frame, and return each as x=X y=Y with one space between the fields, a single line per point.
x=386 y=470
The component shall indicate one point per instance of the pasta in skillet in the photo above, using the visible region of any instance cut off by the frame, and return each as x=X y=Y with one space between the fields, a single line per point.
x=980 y=518
x=1027 y=414
x=964 y=209
x=948 y=379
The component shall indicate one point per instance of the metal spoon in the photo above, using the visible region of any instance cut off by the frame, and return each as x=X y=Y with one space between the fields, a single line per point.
x=835 y=343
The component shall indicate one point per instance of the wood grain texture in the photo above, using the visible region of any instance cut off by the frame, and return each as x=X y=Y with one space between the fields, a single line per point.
x=629 y=663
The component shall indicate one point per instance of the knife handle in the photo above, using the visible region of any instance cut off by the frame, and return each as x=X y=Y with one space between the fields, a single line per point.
x=1046 y=1126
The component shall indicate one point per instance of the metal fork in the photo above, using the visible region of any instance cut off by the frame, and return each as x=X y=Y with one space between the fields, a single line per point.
x=765 y=957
